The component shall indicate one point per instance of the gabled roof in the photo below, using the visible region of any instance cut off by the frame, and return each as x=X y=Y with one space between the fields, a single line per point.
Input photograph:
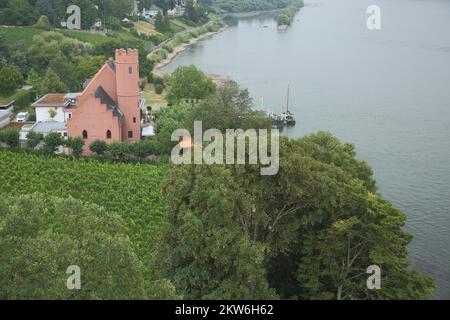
x=51 y=100
x=112 y=65
x=104 y=97
x=6 y=103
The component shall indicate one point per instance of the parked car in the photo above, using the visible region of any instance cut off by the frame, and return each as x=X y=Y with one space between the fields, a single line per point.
x=22 y=116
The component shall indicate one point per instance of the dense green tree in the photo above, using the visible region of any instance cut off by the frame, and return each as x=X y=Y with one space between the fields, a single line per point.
x=10 y=136
x=45 y=8
x=229 y=107
x=283 y=20
x=190 y=11
x=18 y=13
x=162 y=23
x=167 y=120
x=33 y=139
x=143 y=148
x=99 y=147
x=189 y=83
x=9 y=77
x=88 y=67
x=51 y=83
x=316 y=227
x=52 y=142
x=40 y=237
x=18 y=58
x=76 y=144
x=43 y=23
x=48 y=46
x=204 y=249
x=4 y=50
x=119 y=150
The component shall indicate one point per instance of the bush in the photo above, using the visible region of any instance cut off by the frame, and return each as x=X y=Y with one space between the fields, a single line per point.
x=158 y=80
x=283 y=20
x=42 y=24
x=127 y=24
x=150 y=77
x=10 y=78
x=119 y=150
x=10 y=136
x=143 y=149
x=52 y=141
x=159 y=88
x=76 y=144
x=99 y=147
x=168 y=48
x=113 y=23
x=23 y=98
x=33 y=139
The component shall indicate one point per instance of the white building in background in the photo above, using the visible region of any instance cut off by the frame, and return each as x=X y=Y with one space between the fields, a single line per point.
x=48 y=104
x=57 y=105
x=135 y=8
x=152 y=12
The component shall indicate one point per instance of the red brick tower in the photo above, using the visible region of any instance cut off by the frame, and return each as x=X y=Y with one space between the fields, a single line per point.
x=127 y=81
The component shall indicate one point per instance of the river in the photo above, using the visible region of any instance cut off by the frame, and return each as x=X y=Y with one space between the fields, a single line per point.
x=387 y=91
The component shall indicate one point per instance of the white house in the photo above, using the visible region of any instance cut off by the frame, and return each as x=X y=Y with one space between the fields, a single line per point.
x=152 y=12
x=52 y=112
x=52 y=104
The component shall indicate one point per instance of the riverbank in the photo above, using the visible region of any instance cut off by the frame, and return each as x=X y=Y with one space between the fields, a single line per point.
x=286 y=16
x=157 y=70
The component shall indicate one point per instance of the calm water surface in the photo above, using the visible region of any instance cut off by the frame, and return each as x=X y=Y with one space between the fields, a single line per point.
x=386 y=91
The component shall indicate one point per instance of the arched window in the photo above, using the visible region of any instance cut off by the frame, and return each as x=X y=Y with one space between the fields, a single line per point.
x=85 y=134
x=130 y=70
x=108 y=134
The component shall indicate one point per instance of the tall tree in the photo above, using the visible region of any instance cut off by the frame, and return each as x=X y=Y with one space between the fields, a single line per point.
x=42 y=236
x=51 y=83
x=316 y=226
x=189 y=83
x=10 y=78
x=45 y=8
x=19 y=13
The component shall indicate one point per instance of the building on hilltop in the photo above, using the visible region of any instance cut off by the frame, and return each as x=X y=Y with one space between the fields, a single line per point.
x=108 y=108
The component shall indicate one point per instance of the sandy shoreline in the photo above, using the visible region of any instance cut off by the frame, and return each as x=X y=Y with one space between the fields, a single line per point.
x=157 y=70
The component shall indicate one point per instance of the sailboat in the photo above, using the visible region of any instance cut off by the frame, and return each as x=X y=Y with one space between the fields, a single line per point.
x=286 y=118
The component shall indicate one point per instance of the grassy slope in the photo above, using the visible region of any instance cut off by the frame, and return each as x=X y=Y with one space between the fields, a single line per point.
x=15 y=35
x=132 y=190
x=153 y=99
x=84 y=36
x=146 y=28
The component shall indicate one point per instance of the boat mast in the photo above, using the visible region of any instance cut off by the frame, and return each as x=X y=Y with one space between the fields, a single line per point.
x=287 y=103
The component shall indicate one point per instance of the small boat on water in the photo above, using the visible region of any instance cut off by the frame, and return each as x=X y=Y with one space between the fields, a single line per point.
x=287 y=118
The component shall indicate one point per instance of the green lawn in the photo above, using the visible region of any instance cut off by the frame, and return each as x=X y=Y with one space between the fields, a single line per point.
x=85 y=36
x=14 y=35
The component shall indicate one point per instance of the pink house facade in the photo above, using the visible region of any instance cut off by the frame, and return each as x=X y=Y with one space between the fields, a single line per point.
x=107 y=109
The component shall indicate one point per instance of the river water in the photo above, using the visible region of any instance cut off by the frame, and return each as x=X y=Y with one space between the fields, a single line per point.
x=387 y=91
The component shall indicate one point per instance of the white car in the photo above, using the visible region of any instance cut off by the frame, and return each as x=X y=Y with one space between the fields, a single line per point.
x=22 y=116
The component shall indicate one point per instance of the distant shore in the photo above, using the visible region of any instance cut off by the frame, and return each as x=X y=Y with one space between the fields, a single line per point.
x=180 y=48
